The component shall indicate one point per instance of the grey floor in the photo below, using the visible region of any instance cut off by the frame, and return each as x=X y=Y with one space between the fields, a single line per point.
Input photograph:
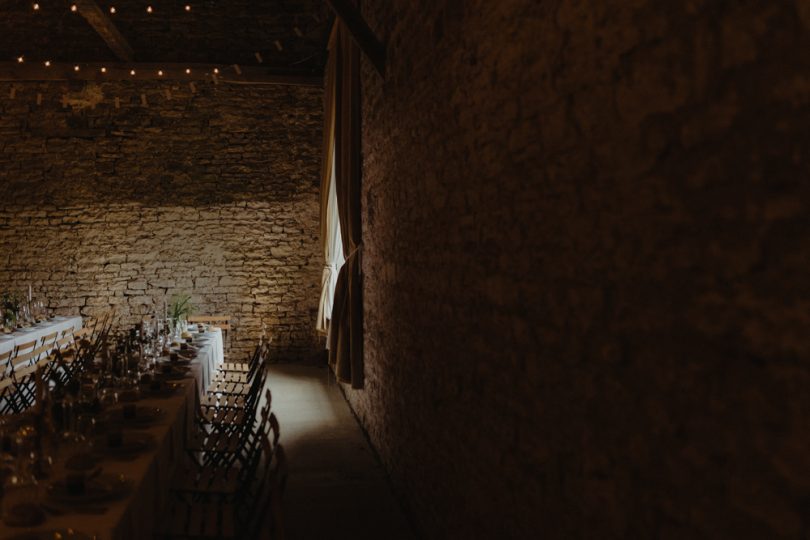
x=336 y=488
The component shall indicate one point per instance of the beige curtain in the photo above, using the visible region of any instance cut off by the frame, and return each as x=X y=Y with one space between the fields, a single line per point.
x=331 y=241
x=346 y=333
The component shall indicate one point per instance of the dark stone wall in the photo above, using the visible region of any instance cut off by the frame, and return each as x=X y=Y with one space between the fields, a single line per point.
x=586 y=248
x=212 y=192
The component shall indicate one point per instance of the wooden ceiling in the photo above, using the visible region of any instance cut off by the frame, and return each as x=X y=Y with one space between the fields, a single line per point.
x=270 y=37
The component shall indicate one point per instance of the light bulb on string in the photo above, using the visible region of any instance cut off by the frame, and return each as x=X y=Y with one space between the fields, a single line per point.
x=132 y=72
x=188 y=71
x=188 y=7
x=103 y=69
x=75 y=68
x=74 y=8
x=216 y=70
x=20 y=59
x=112 y=10
x=35 y=6
x=149 y=9
x=160 y=73
x=47 y=63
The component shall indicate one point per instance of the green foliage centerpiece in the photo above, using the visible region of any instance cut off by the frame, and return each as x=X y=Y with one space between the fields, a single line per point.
x=179 y=311
x=10 y=307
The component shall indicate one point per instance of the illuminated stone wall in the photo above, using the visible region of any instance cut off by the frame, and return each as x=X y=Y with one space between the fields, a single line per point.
x=212 y=193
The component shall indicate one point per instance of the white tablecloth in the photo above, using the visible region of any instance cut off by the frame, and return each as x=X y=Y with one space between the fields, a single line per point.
x=57 y=324
x=136 y=516
x=210 y=355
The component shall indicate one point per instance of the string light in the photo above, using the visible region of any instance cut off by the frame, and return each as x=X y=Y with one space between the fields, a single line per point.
x=149 y=9
x=74 y=8
x=160 y=73
x=20 y=59
x=36 y=7
x=47 y=63
x=103 y=69
x=216 y=70
x=132 y=72
x=188 y=7
x=112 y=10
x=75 y=68
x=188 y=71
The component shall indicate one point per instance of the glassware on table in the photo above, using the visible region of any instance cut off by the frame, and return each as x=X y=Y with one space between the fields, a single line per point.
x=39 y=311
x=21 y=489
x=21 y=492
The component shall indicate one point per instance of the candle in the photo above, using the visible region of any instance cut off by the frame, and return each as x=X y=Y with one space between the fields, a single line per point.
x=29 y=292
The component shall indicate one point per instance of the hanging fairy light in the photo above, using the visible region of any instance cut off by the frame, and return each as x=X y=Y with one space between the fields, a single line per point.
x=75 y=68
x=47 y=63
x=103 y=69
x=149 y=9
x=35 y=6
x=20 y=59
x=188 y=7
x=160 y=73
x=188 y=71
x=132 y=72
x=74 y=8
x=112 y=10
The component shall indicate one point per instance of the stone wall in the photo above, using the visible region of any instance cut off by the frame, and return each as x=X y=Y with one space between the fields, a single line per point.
x=211 y=192
x=586 y=249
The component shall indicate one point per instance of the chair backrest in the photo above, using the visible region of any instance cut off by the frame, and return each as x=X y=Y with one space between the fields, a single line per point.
x=255 y=389
x=82 y=332
x=4 y=362
x=49 y=339
x=23 y=352
x=65 y=341
x=85 y=333
x=222 y=322
x=268 y=492
x=27 y=355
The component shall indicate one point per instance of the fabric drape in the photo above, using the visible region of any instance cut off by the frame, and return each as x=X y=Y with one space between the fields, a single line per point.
x=346 y=334
x=331 y=242
x=333 y=256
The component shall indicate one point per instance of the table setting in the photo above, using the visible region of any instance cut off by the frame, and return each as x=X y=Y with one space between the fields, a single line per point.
x=105 y=433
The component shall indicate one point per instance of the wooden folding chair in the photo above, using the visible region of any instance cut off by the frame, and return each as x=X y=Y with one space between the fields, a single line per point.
x=228 y=368
x=7 y=389
x=242 y=516
x=222 y=322
x=24 y=364
x=230 y=462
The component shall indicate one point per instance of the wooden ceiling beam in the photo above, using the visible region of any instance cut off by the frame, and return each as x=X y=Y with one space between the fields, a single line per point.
x=120 y=71
x=372 y=47
x=105 y=28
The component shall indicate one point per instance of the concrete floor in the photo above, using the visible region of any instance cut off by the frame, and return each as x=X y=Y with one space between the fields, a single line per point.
x=336 y=487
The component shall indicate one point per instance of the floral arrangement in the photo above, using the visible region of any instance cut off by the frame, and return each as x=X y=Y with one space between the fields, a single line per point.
x=10 y=308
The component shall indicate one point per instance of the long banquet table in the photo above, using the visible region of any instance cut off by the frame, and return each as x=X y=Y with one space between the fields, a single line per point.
x=38 y=331
x=137 y=516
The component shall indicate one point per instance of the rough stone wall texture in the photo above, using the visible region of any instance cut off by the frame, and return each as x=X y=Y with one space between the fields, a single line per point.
x=212 y=193
x=586 y=250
